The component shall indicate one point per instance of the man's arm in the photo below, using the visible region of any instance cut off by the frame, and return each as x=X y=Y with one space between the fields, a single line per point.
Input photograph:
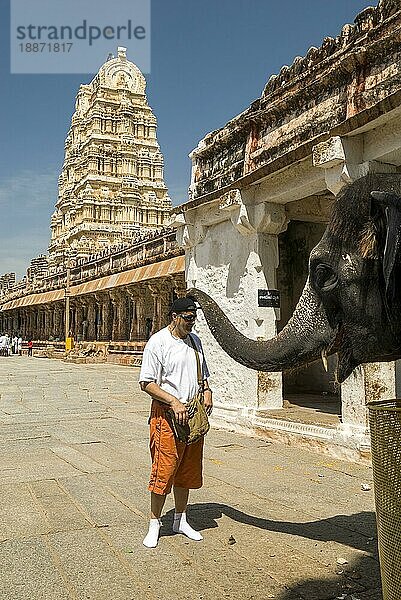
x=155 y=391
x=207 y=397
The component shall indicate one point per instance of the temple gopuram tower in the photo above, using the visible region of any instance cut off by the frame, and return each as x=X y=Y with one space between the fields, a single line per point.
x=111 y=186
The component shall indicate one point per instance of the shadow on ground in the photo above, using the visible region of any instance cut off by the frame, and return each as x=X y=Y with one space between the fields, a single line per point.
x=358 y=580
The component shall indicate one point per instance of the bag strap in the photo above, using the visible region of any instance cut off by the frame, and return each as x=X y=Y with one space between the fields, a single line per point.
x=198 y=365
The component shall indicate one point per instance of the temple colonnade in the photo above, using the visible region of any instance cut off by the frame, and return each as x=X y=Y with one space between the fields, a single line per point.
x=120 y=314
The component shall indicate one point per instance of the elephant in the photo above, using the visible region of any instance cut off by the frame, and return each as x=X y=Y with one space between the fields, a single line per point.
x=351 y=302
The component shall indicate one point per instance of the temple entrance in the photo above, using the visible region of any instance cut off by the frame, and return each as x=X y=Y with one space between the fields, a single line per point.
x=307 y=387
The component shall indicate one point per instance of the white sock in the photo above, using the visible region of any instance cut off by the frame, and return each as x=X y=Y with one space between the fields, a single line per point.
x=180 y=525
x=152 y=536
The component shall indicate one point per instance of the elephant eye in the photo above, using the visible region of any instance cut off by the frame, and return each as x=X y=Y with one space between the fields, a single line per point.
x=324 y=277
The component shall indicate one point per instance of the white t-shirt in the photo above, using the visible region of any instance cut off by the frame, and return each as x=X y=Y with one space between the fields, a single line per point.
x=171 y=363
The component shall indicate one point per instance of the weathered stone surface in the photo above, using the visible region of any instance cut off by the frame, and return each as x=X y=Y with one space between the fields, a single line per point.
x=28 y=571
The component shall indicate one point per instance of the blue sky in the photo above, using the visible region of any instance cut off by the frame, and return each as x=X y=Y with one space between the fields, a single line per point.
x=210 y=60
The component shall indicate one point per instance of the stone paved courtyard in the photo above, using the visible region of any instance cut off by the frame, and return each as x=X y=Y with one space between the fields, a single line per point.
x=278 y=522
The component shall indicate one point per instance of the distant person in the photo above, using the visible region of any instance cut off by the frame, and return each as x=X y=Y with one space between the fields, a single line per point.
x=2 y=345
x=30 y=347
x=8 y=345
x=19 y=346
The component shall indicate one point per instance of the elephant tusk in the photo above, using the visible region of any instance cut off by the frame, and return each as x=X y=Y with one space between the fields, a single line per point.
x=324 y=359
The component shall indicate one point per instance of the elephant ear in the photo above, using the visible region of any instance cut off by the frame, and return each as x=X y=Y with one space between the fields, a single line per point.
x=391 y=206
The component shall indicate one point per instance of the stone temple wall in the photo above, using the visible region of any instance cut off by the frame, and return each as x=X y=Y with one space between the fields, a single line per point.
x=321 y=123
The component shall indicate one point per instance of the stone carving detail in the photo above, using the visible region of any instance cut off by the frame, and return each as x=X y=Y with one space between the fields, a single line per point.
x=364 y=22
x=111 y=186
x=230 y=200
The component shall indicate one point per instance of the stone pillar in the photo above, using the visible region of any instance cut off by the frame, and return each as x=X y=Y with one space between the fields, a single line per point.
x=141 y=312
x=106 y=323
x=166 y=299
x=379 y=382
x=39 y=323
x=140 y=333
x=28 y=327
x=367 y=383
x=73 y=318
x=22 y=322
x=35 y=322
x=62 y=331
x=162 y=299
x=118 y=300
x=58 y=324
x=131 y=315
x=154 y=291
x=114 y=301
x=90 y=318
x=15 y=322
x=42 y=323
x=79 y=319
x=98 y=317
x=48 y=322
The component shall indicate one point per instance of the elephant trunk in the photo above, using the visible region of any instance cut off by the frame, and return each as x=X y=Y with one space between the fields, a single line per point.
x=305 y=337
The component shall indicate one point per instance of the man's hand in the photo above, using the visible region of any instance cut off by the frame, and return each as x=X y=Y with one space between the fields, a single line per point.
x=180 y=412
x=207 y=401
x=154 y=390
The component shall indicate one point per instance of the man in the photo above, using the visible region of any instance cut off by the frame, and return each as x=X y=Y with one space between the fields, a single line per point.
x=169 y=376
x=2 y=345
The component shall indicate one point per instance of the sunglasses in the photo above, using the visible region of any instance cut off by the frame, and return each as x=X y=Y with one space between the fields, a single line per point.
x=188 y=317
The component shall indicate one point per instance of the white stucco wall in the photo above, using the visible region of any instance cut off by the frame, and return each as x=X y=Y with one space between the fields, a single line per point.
x=231 y=266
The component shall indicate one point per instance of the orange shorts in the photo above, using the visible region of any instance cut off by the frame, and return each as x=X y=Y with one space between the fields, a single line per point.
x=173 y=462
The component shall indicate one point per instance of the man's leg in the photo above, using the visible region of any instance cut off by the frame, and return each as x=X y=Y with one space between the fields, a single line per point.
x=180 y=499
x=180 y=524
x=156 y=506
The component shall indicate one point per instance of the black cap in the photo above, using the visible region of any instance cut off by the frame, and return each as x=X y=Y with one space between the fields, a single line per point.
x=183 y=304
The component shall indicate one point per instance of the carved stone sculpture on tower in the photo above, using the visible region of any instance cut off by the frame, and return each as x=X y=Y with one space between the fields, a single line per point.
x=111 y=185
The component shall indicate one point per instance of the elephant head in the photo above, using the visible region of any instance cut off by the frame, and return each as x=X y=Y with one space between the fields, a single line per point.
x=351 y=302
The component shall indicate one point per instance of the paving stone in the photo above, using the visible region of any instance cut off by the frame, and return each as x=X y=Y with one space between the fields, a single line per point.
x=77 y=459
x=20 y=515
x=29 y=573
x=18 y=467
x=93 y=569
x=101 y=508
x=61 y=512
